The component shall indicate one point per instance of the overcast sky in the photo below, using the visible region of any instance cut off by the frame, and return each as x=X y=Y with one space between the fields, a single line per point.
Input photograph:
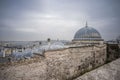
x=57 y=19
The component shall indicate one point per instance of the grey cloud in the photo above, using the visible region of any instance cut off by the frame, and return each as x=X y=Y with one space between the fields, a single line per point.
x=39 y=18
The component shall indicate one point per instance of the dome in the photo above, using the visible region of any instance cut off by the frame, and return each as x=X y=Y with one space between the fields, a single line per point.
x=87 y=33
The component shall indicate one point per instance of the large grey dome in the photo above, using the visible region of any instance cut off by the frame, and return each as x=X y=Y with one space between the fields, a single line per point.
x=87 y=33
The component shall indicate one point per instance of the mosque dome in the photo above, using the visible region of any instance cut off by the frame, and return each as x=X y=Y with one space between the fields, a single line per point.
x=87 y=33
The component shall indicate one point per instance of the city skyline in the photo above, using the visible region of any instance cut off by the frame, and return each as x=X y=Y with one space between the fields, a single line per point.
x=41 y=19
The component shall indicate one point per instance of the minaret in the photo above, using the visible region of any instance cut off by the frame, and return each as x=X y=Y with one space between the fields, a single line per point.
x=86 y=24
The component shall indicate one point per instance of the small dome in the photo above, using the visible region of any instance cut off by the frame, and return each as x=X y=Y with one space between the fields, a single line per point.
x=87 y=33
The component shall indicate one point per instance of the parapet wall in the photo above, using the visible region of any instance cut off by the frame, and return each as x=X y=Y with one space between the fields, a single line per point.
x=72 y=62
x=64 y=64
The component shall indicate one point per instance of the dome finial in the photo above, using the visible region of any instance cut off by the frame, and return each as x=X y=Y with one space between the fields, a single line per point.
x=86 y=24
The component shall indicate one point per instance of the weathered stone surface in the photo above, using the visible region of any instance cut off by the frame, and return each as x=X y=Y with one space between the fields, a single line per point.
x=57 y=65
x=110 y=71
x=34 y=71
x=72 y=62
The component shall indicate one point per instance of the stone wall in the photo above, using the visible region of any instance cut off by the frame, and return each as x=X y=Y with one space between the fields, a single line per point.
x=110 y=71
x=33 y=71
x=72 y=62
x=64 y=64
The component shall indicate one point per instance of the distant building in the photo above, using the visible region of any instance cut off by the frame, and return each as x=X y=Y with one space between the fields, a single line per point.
x=87 y=35
x=118 y=39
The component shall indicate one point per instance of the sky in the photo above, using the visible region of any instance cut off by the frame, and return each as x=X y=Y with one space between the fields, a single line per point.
x=29 y=20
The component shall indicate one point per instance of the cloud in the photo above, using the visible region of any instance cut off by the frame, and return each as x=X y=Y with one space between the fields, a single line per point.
x=57 y=19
